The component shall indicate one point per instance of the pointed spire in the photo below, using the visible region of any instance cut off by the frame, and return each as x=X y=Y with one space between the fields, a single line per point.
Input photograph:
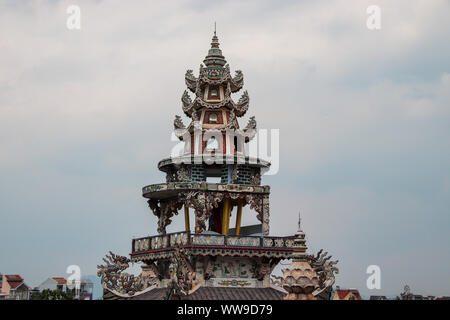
x=300 y=232
x=215 y=57
x=299 y=242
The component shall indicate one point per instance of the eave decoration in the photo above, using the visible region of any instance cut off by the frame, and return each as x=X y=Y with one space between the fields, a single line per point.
x=120 y=283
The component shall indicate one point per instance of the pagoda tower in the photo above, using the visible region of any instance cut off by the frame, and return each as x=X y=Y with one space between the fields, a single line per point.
x=211 y=180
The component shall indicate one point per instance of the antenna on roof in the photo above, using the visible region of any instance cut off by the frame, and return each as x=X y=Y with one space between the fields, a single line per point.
x=214 y=28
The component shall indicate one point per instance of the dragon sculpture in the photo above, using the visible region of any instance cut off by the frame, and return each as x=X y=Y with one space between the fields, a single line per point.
x=325 y=269
x=120 y=283
x=178 y=123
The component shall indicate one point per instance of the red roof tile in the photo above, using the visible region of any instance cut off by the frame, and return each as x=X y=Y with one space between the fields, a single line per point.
x=342 y=293
x=13 y=277
x=14 y=284
x=14 y=280
x=60 y=280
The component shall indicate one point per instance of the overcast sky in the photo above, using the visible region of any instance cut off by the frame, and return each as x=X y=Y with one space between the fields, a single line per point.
x=364 y=119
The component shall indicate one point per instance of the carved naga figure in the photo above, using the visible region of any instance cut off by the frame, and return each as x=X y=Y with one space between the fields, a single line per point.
x=123 y=284
x=325 y=269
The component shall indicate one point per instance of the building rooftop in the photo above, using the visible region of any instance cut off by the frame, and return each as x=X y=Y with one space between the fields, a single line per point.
x=218 y=293
x=13 y=277
x=342 y=293
x=378 y=298
x=14 y=280
x=60 y=280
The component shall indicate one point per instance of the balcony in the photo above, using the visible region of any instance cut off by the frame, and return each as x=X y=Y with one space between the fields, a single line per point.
x=211 y=244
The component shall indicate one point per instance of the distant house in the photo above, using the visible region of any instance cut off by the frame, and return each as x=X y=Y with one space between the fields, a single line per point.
x=417 y=297
x=61 y=284
x=2 y=294
x=34 y=293
x=346 y=294
x=13 y=287
x=378 y=298
x=55 y=283
x=408 y=295
x=86 y=290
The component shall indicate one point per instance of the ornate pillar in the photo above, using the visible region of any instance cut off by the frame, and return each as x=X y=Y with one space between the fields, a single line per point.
x=265 y=214
x=225 y=215
x=155 y=206
x=203 y=203
x=186 y=218
x=200 y=220
x=239 y=217
x=260 y=203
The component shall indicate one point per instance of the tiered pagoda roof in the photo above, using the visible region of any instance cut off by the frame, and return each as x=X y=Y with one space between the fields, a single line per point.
x=211 y=259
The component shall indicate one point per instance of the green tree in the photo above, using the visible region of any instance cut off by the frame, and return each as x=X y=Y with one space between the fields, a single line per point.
x=48 y=294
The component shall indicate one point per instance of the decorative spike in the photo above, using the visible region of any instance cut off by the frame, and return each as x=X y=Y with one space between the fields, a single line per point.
x=215 y=57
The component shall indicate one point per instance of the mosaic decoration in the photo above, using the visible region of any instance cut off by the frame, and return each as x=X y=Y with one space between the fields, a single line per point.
x=234 y=283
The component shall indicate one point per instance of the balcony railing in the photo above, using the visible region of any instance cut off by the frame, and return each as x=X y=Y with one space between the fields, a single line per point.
x=186 y=238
